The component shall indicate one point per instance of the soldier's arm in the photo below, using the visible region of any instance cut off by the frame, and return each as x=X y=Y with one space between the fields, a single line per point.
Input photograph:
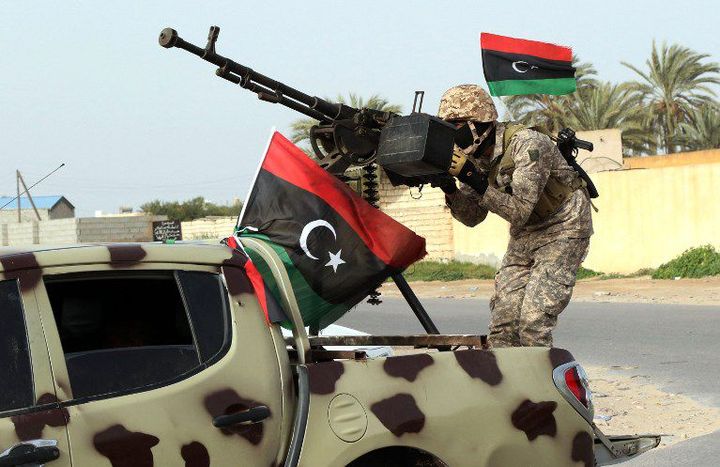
x=465 y=206
x=531 y=152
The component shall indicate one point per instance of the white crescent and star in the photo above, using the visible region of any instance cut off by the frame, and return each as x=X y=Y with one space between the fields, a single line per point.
x=525 y=66
x=335 y=259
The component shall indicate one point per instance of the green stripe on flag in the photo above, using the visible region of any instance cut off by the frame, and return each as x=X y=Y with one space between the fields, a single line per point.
x=312 y=307
x=556 y=86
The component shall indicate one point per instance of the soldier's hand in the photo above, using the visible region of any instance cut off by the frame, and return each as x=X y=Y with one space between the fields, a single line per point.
x=446 y=183
x=466 y=172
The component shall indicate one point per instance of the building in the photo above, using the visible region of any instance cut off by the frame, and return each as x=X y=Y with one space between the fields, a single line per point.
x=48 y=207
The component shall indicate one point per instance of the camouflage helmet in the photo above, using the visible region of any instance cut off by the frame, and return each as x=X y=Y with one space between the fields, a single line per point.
x=467 y=102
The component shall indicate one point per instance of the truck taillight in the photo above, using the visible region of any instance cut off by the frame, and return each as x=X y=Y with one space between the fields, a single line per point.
x=572 y=382
x=577 y=386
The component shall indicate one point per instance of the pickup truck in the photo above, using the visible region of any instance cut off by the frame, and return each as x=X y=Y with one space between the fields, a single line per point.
x=151 y=354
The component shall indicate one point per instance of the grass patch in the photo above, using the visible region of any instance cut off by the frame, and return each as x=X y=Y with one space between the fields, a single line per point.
x=451 y=271
x=456 y=271
x=696 y=262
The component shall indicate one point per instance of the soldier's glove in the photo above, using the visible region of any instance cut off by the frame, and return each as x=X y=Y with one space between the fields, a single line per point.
x=446 y=183
x=466 y=172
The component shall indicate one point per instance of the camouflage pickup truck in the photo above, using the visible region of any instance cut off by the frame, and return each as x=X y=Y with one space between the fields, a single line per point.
x=134 y=355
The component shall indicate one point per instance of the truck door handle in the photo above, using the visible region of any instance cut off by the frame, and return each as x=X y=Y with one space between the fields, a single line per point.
x=249 y=417
x=36 y=452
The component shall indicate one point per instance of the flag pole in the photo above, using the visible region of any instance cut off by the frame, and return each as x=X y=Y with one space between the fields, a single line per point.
x=273 y=130
x=415 y=305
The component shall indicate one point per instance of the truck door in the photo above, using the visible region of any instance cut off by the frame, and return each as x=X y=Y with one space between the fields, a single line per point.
x=162 y=367
x=32 y=423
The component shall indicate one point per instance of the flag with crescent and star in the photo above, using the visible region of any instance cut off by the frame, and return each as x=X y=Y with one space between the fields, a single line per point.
x=518 y=66
x=335 y=247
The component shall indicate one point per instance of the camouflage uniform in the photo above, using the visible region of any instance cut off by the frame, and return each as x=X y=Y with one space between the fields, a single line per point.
x=537 y=274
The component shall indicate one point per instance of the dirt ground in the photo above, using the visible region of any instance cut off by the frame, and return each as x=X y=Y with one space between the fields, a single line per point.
x=633 y=405
x=636 y=290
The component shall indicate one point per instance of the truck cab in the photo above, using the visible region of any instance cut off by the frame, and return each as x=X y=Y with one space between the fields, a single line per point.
x=150 y=354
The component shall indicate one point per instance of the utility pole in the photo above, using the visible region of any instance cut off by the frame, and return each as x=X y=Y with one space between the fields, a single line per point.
x=17 y=181
x=27 y=191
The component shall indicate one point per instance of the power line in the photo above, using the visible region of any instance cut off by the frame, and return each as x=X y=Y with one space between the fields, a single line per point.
x=27 y=190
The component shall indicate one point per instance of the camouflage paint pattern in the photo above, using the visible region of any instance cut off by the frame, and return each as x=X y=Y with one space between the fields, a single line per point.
x=467 y=102
x=505 y=398
x=121 y=431
x=468 y=408
x=536 y=277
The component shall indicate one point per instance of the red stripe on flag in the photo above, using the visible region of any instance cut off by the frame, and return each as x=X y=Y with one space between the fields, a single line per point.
x=259 y=285
x=287 y=161
x=525 y=47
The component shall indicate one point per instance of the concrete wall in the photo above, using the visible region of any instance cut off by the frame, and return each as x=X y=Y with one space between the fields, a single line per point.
x=79 y=230
x=27 y=215
x=673 y=160
x=607 y=151
x=59 y=232
x=646 y=218
x=208 y=227
x=116 y=229
x=427 y=216
x=23 y=233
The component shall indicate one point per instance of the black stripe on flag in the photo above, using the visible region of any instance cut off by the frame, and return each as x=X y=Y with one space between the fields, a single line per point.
x=282 y=211
x=501 y=66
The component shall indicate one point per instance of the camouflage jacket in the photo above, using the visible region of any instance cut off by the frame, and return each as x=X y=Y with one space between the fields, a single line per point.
x=536 y=158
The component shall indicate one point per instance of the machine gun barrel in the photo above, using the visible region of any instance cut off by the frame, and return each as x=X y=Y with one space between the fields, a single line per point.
x=265 y=87
x=412 y=149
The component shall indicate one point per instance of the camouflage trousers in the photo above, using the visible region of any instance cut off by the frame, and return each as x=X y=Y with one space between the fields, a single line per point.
x=534 y=284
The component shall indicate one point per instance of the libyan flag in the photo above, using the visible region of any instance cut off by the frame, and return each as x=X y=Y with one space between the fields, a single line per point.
x=335 y=246
x=518 y=66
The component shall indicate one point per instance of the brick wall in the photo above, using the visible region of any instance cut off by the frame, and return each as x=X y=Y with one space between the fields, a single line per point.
x=427 y=216
x=116 y=229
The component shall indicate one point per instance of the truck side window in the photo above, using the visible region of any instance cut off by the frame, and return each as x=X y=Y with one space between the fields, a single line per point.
x=127 y=331
x=206 y=300
x=15 y=368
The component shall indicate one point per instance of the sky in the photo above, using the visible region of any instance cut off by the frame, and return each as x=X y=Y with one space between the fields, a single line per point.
x=86 y=83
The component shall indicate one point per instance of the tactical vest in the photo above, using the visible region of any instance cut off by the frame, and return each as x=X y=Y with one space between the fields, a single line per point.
x=555 y=193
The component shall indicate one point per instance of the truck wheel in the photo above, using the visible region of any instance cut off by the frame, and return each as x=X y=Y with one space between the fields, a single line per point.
x=397 y=456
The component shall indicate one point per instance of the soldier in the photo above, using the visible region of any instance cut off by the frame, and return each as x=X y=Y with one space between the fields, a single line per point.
x=520 y=175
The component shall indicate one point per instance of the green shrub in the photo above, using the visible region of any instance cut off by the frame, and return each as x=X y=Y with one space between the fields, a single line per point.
x=585 y=273
x=643 y=272
x=451 y=271
x=696 y=262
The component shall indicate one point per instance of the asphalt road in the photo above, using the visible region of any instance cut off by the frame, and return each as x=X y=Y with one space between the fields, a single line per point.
x=676 y=346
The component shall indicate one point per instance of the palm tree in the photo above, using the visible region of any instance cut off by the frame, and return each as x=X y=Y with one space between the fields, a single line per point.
x=607 y=105
x=702 y=131
x=675 y=83
x=301 y=127
x=547 y=112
